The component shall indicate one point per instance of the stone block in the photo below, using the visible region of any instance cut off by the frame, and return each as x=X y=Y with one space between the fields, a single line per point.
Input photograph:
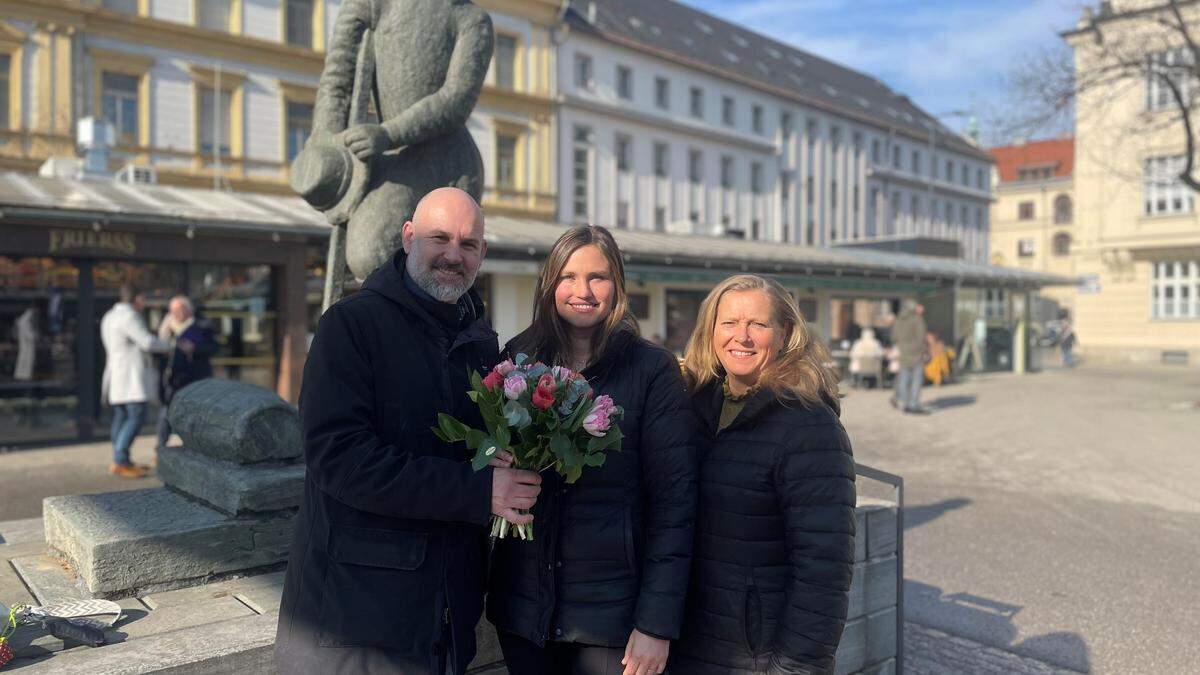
x=873 y=587
x=884 y=668
x=49 y=578
x=236 y=422
x=137 y=625
x=21 y=531
x=852 y=650
x=858 y=592
x=881 y=531
x=121 y=542
x=881 y=635
x=241 y=645
x=230 y=487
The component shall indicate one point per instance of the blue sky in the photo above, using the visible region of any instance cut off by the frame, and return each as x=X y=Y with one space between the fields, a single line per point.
x=944 y=54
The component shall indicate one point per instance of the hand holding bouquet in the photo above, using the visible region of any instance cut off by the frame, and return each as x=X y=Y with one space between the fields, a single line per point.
x=546 y=418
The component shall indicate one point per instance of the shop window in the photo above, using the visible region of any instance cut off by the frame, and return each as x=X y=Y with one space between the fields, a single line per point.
x=639 y=305
x=682 y=308
x=39 y=331
x=238 y=303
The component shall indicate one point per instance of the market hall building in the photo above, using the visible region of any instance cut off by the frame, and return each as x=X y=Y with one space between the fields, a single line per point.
x=254 y=266
x=249 y=262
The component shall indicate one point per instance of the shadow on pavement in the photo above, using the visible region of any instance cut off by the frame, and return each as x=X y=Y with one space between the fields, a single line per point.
x=990 y=622
x=915 y=516
x=943 y=402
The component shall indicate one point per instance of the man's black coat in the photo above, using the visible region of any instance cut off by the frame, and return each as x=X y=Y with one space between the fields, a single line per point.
x=390 y=539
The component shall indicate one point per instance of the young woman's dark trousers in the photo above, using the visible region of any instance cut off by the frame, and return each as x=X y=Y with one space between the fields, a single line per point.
x=523 y=657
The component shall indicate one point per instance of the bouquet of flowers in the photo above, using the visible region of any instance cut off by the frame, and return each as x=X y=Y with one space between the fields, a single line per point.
x=547 y=418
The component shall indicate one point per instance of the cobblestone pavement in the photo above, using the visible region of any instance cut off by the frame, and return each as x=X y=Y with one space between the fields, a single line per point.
x=1054 y=515
x=929 y=651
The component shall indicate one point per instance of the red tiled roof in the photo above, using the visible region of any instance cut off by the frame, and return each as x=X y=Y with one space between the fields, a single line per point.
x=1058 y=154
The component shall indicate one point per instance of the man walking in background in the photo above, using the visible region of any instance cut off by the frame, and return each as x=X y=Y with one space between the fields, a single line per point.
x=189 y=360
x=908 y=334
x=129 y=378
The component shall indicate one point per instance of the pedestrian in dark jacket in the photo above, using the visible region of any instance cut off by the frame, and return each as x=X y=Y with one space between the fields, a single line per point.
x=775 y=524
x=388 y=565
x=600 y=589
x=190 y=358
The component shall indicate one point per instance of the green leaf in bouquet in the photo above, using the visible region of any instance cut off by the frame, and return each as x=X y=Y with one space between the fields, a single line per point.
x=474 y=396
x=517 y=415
x=482 y=456
x=451 y=429
x=475 y=379
x=560 y=445
x=572 y=473
x=609 y=440
x=594 y=459
x=475 y=439
x=501 y=435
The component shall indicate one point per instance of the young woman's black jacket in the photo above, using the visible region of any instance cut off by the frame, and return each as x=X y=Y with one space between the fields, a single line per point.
x=612 y=552
x=774 y=540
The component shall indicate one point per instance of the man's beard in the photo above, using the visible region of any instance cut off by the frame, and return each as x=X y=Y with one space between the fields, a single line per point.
x=426 y=278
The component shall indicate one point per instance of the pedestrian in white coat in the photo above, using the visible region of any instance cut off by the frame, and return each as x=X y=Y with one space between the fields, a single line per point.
x=130 y=381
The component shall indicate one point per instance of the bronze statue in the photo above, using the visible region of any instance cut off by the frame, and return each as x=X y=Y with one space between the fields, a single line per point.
x=422 y=64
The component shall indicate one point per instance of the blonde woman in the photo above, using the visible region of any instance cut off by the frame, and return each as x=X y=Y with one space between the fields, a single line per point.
x=775 y=523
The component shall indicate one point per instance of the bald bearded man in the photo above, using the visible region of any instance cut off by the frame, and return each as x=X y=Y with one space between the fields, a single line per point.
x=388 y=563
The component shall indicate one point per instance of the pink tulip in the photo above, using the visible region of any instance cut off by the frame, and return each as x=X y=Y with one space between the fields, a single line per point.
x=505 y=367
x=514 y=386
x=599 y=419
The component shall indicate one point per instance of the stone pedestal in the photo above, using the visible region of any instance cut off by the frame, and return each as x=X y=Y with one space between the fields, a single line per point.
x=231 y=496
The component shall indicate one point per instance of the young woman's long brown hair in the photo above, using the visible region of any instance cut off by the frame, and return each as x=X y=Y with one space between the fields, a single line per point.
x=547 y=336
x=799 y=370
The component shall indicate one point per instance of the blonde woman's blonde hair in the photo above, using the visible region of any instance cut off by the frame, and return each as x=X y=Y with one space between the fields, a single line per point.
x=800 y=370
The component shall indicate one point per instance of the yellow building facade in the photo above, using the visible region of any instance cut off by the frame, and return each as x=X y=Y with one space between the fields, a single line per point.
x=1032 y=218
x=1138 y=230
x=164 y=69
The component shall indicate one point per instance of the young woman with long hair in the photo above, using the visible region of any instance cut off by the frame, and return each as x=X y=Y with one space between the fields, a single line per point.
x=775 y=521
x=601 y=587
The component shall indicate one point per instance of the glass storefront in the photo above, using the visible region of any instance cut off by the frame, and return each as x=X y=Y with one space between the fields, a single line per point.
x=44 y=396
x=39 y=340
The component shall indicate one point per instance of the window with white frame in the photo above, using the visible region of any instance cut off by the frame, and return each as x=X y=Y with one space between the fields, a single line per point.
x=695 y=166
x=696 y=102
x=726 y=171
x=1174 y=65
x=625 y=82
x=756 y=119
x=662 y=160
x=662 y=93
x=1162 y=190
x=581 y=168
x=299 y=126
x=214 y=117
x=1025 y=247
x=212 y=14
x=506 y=61
x=624 y=152
x=1175 y=289
x=727 y=110
x=506 y=161
x=119 y=101
x=583 y=71
x=298 y=28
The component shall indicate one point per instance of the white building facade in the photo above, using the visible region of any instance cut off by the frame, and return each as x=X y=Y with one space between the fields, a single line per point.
x=674 y=121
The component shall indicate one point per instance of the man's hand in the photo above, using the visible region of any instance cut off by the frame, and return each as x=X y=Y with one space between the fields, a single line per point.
x=367 y=140
x=514 y=489
x=645 y=655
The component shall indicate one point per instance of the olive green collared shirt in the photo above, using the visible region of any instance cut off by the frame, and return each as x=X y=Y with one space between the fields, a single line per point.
x=732 y=405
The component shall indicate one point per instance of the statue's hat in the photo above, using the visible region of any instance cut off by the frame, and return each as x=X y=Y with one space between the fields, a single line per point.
x=329 y=177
